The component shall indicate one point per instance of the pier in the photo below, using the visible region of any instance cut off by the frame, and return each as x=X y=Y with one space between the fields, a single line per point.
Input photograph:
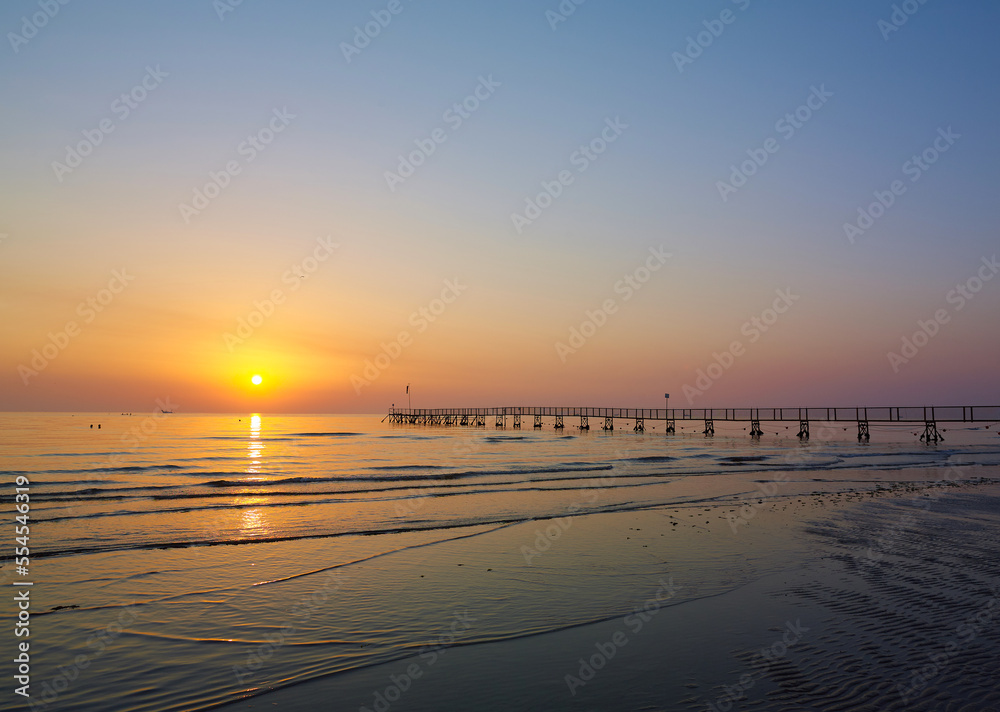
x=927 y=417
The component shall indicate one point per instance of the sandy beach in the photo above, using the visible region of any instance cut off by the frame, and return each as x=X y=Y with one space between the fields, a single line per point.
x=856 y=602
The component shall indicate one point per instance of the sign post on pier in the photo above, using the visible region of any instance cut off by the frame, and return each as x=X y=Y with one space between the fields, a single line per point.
x=666 y=412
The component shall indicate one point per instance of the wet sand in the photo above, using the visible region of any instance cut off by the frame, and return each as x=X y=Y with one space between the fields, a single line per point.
x=874 y=597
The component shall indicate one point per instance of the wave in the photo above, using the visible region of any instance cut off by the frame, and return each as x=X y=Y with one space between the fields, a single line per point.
x=441 y=490
x=435 y=477
x=402 y=528
x=190 y=543
x=412 y=437
x=414 y=477
x=261 y=438
x=73 y=454
x=395 y=494
x=54 y=483
x=79 y=470
x=407 y=467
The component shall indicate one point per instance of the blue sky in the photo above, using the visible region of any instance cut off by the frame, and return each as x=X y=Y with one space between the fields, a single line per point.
x=656 y=184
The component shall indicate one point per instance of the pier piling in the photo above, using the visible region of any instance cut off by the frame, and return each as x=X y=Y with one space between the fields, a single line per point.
x=931 y=434
x=927 y=416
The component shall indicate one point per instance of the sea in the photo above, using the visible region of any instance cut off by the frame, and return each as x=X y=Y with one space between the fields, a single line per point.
x=192 y=561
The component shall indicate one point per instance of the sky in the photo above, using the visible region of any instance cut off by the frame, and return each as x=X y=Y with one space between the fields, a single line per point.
x=522 y=203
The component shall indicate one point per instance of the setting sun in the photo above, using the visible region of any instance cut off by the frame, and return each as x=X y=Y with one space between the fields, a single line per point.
x=256 y=380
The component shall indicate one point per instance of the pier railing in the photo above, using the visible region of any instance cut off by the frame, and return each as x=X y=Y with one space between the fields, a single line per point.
x=864 y=416
x=886 y=414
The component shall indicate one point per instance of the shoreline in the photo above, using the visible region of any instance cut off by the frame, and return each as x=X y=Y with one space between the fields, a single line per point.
x=711 y=622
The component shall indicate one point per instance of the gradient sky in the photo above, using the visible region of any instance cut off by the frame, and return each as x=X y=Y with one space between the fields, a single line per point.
x=216 y=81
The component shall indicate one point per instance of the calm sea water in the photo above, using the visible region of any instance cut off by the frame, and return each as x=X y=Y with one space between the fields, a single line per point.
x=182 y=561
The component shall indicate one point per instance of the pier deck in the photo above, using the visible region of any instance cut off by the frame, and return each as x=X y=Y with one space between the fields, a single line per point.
x=928 y=416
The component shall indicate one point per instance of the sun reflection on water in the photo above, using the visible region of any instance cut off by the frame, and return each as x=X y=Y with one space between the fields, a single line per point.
x=253 y=519
x=255 y=447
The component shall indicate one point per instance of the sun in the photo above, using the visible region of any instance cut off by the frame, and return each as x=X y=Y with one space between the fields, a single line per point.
x=256 y=380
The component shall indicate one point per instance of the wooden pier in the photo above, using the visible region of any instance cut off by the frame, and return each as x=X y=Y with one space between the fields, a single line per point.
x=927 y=416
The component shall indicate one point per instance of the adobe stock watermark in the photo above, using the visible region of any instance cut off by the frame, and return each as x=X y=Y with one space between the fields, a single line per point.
x=398 y=684
x=364 y=34
x=224 y=7
x=301 y=613
x=456 y=115
x=96 y=644
x=751 y=505
x=627 y=287
x=768 y=491
x=914 y=169
x=786 y=126
x=122 y=108
x=753 y=328
x=890 y=536
x=901 y=14
x=697 y=45
x=581 y=159
x=31 y=25
x=248 y=149
x=562 y=13
x=265 y=308
x=135 y=436
x=635 y=621
x=958 y=297
x=131 y=441
x=760 y=666
x=209 y=532
x=973 y=627
x=410 y=502
x=420 y=319
x=138 y=434
x=544 y=538
x=87 y=310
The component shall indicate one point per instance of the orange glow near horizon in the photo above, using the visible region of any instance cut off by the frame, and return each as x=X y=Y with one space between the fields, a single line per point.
x=314 y=269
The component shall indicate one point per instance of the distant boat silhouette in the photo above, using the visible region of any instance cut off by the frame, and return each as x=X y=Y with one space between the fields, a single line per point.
x=165 y=411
